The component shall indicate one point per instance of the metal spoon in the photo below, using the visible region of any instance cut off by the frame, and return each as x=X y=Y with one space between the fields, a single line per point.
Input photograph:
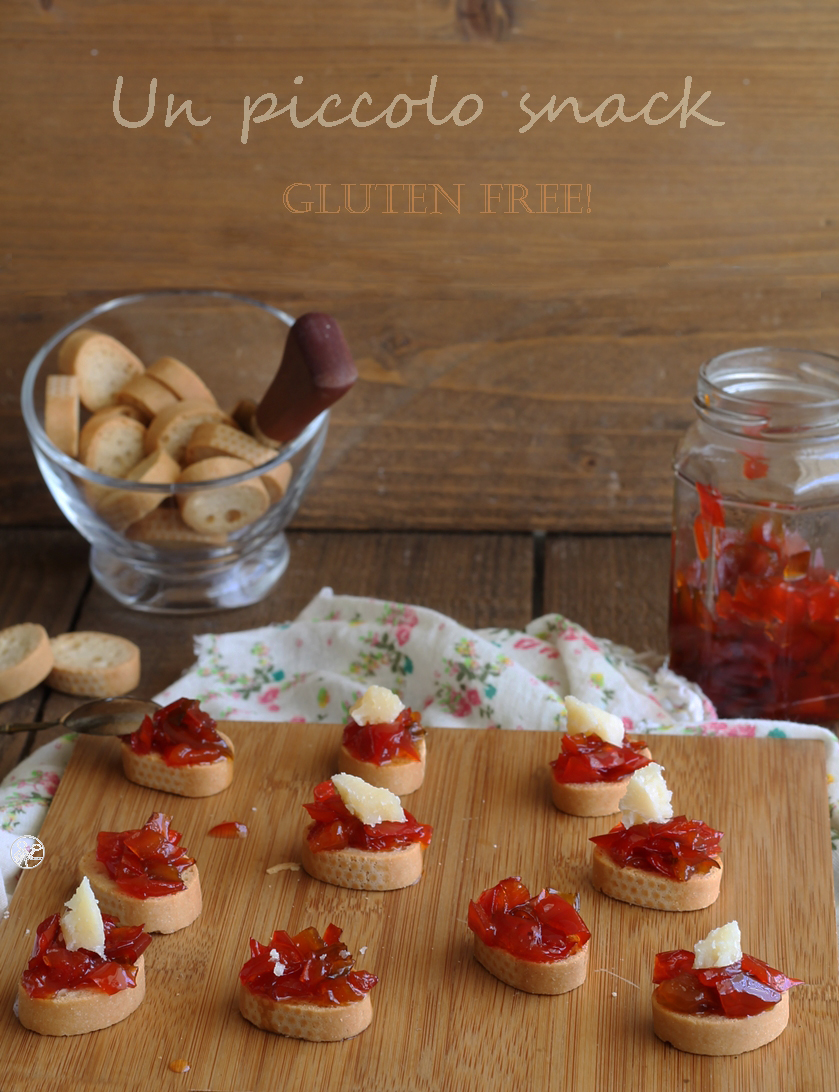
x=106 y=717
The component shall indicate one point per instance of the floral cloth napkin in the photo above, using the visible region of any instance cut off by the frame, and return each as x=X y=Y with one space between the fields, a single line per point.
x=314 y=668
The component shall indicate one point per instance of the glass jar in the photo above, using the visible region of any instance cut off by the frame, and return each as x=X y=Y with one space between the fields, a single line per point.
x=754 y=604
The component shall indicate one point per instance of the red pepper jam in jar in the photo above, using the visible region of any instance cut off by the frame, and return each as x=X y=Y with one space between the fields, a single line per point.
x=754 y=603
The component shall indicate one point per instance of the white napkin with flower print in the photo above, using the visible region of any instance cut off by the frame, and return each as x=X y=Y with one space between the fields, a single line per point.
x=314 y=668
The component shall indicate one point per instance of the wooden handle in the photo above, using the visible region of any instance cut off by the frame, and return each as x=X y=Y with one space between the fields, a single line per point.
x=317 y=368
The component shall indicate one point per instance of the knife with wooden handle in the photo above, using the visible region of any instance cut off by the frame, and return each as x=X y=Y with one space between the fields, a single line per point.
x=316 y=370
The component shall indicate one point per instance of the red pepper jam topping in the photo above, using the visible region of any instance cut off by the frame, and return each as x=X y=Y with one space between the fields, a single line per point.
x=335 y=827
x=587 y=758
x=230 y=829
x=306 y=967
x=182 y=733
x=53 y=967
x=147 y=862
x=754 y=618
x=678 y=848
x=541 y=929
x=381 y=744
x=744 y=988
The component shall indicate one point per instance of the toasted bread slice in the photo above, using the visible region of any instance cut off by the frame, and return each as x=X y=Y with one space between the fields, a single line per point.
x=651 y=889
x=559 y=976
x=74 y=1012
x=101 y=364
x=25 y=659
x=364 y=869
x=115 y=446
x=590 y=798
x=165 y=526
x=303 y=1020
x=95 y=665
x=217 y=438
x=91 y=425
x=181 y=380
x=402 y=776
x=158 y=914
x=61 y=413
x=120 y=508
x=146 y=395
x=173 y=427
x=200 y=780
x=226 y=508
x=718 y=1035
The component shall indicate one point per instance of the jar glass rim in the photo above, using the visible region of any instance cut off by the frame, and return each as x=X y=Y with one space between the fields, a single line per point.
x=770 y=391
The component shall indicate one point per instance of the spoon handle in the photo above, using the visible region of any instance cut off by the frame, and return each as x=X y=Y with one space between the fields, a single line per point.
x=8 y=729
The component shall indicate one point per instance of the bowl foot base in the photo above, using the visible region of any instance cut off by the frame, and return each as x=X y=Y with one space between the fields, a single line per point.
x=181 y=587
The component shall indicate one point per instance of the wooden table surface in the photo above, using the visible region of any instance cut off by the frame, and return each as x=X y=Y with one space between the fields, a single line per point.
x=524 y=376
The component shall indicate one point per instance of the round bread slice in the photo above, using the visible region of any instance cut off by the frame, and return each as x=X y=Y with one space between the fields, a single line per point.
x=651 y=889
x=115 y=446
x=173 y=427
x=91 y=425
x=200 y=780
x=559 y=976
x=95 y=665
x=25 y=659
x=277 y=481
x=719 y=1035
x=146 y=395
x=74 y=1012
x=226 y=508
x=402 y=776
x=304 y=1020
x=61 y=413
x=158 y=914
x=165 y=526
x=101 y=364
x=364 y=869
x=181 y=380
x=590 y=798
x=121 y=508
x=217 y=438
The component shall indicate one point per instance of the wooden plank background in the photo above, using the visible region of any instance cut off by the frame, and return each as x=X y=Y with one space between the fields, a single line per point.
x=519 y=372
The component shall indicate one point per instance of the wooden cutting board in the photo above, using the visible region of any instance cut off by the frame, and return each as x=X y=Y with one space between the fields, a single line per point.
x=440 y=1020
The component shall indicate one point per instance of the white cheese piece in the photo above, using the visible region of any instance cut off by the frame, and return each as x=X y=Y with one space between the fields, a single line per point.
x=279 y=966
x=378 y=705
x=720 y=948
x=367 y=802
x=647 y=798
x=585 y=719
x=81 y=922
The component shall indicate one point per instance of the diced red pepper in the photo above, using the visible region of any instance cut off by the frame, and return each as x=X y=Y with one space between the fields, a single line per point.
x=381 y=744
x=759 y=632
x=147 y=862
x=588 y=758
x=306 y=967
x=53 y=967
x=678 y=848
x=182 y=733
x=741 y=989
x=542 y=929
x=335 y=827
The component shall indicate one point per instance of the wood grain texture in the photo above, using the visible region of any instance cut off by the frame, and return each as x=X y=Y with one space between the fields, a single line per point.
x=615 y=586
x=519 y=371
x=44 y=578
x=492 y=415
x=440 y=1020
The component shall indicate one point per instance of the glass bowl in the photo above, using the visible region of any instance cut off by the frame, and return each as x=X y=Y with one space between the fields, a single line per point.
x=157 y=562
